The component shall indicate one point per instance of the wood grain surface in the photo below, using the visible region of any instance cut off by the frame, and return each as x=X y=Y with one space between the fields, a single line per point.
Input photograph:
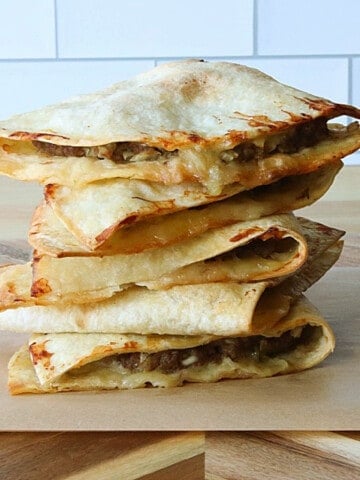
x=97 y=455
x=187 y=456
x=282 y=456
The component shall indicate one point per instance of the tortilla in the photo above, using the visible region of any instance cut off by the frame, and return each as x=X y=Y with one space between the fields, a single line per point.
x=48 y=235
x=195 y=165
x=284 y=334
x=56 y=365
x=80 y=279
x=118 y=203
x=16 y=280
x=170 y=101
x=261 y=262
x=15 y=286
x=179 y=127
x=213 y=308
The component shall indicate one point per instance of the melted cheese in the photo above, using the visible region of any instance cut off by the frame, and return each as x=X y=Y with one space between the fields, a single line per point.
x=112 y=375
x=204 y=164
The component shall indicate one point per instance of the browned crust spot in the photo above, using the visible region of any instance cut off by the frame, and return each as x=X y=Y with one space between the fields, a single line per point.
x=174 y=139
x=19 y=135
x=318 y=104
x=273 y=232
x=245 y=234
x=40 y=287
x=39 y=353
x=50 y=190
x=349 y=110
x=261 y=121
x=329 y=109
x=130 y=345
x=304 y=194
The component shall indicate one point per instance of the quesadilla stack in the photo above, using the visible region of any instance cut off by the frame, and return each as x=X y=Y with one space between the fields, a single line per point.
x=166 y=249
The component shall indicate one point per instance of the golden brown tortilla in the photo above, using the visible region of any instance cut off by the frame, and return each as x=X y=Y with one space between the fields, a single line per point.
x=214 y=308
x=175 y=125
x=48 y=234
x=83 y=279
x=74 y=362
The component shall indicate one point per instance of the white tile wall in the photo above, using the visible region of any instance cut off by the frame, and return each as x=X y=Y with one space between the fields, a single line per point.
x=308 y=27
x=356 y=81
x=31 y=85
x=53 y=49
x=160 y=28
x=27 y=29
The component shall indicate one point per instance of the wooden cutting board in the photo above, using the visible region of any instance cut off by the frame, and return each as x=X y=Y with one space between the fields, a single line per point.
x=102 y=456
x=277 y=455
x=282 y=455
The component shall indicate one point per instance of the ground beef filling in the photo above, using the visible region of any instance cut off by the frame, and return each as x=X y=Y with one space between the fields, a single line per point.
x=269 y=249
x=255 y=348
x=120 y=152
x=289 y=141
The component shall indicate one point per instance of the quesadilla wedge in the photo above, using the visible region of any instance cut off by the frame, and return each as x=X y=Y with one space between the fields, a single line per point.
x=15 y=285
x=118 y=202
x=173 y=125
x=80 y=279
x=121 y=202
x=213 y=308
x=293 y=337
x=75 y=362
x=49 y=235
x=318 y=238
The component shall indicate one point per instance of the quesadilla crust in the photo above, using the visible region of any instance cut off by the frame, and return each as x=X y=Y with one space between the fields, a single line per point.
x=208 y=166
x=123 y=202
x=15 y=284
x=84 y=279
x=165 y=108
x=172 y=125
x=95 y=373
x=227 y=309
x=48 y=235
x=78 y=278
x=139 y=200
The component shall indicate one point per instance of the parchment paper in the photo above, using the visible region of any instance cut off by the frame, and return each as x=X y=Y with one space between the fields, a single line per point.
x=324 y=398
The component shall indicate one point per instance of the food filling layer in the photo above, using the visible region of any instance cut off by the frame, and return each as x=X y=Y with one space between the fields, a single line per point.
x=289 y=141
x=256 y=348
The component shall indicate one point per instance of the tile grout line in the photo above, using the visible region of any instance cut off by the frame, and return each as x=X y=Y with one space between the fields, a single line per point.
x=255 y=28
x=56 y=30
x=156 y=59
x=350 y=80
